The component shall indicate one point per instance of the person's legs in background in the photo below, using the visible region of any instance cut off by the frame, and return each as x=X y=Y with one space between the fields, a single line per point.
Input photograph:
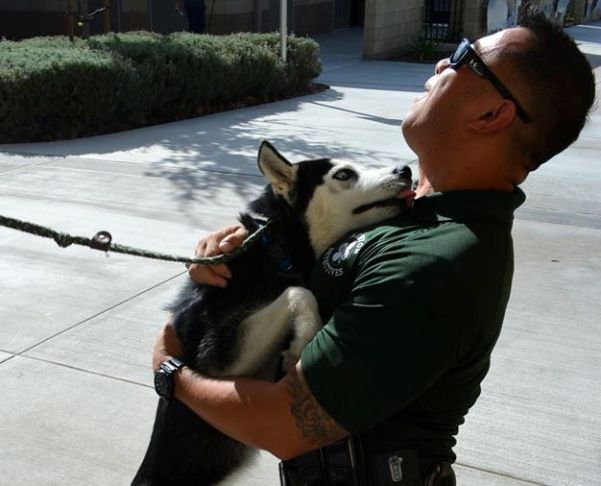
x=195 y=10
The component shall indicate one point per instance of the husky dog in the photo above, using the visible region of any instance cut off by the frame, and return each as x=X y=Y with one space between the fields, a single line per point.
x=243 y=329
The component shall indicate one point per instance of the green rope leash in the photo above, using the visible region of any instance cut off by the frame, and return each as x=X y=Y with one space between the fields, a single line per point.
x=102 y=241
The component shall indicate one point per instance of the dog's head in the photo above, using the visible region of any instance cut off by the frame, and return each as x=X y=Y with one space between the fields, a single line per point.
x=332 y=198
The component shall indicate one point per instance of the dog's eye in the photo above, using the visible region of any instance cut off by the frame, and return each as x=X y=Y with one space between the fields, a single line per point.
x=344 y=175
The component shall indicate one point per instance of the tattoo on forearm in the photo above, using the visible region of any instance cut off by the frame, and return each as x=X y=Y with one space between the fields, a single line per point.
x=312 y=421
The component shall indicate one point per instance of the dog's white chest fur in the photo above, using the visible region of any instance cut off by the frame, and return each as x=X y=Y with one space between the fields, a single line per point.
x=263 y=332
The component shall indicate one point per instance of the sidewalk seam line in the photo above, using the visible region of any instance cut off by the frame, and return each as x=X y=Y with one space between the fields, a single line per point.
x=117 y=161
x=114 y=306
x=83 y=370
x=27 y=166
x=500 y=474
x=7 y=359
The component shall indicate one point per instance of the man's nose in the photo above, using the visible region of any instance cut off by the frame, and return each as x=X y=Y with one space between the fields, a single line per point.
x=442 y=65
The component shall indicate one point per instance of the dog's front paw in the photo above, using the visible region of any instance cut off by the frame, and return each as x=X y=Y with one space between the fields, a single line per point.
x=289 y=360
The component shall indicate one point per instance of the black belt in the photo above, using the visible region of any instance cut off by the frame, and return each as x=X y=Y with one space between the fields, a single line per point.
x=345 y=463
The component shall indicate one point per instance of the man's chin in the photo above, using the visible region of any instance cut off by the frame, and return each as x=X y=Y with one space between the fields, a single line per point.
x=419 y=97
x=407 y=128
x=407 y=123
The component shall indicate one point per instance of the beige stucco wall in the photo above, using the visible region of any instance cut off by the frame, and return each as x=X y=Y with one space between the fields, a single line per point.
x=390 y=26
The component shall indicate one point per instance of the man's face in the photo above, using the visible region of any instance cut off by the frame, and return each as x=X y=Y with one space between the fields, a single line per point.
x=437 y=120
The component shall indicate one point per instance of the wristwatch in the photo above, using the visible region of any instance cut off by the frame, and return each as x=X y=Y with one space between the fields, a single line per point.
x=163 y=379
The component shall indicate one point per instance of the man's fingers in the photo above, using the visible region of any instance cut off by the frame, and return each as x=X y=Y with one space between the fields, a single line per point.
x=205 y=274
x=217 y=243
x=201 y=247
x=224 y=240
x=234 y=239
x=211 y=246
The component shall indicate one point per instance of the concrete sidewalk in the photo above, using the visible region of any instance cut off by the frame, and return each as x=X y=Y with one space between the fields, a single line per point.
x=76 y=327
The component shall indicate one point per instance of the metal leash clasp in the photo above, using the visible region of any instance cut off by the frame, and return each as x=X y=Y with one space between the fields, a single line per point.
x=101 y=241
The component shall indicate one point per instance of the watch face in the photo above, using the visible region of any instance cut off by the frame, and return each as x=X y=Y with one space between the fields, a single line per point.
x=162 y=383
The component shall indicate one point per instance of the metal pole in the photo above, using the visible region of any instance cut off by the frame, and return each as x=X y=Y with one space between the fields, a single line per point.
x=106 y=16
x=283 y=28
x=70 y=21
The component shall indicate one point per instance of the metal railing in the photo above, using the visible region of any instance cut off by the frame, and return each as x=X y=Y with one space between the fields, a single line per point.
x=443 y=20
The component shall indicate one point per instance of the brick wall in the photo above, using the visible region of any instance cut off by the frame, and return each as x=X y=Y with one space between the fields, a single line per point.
x=474 y=19
x=28 y=18
x=390 y=26
x=308 y=16
x=313 y=16
x=227 y=16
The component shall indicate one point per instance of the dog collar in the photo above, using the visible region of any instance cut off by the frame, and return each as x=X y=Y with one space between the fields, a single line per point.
x=267 y=241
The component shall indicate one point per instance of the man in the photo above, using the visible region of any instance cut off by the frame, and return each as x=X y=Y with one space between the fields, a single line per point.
x=195 y=12
x=411 y=322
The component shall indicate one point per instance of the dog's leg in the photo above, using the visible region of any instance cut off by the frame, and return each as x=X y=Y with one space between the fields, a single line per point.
x=265 y=331
x=305 y=324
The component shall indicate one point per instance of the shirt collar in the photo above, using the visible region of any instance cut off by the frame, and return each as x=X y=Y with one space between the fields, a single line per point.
x=468 y=205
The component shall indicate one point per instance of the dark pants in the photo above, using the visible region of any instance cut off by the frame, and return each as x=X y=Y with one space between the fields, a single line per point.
x=195 y=10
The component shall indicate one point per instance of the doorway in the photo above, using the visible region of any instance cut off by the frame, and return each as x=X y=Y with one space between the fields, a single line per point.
x=349 y=13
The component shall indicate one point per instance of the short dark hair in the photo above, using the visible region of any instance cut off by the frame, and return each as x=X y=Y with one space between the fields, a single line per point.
x=560 y=85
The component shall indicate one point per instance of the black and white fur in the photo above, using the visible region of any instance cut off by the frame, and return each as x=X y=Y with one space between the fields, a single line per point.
x=265 y=311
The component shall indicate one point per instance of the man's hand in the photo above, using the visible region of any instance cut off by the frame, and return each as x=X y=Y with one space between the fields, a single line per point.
x=222 y=241
x=166 y=345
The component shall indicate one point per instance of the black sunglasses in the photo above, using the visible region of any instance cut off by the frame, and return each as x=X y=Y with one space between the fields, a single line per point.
x=465 y=55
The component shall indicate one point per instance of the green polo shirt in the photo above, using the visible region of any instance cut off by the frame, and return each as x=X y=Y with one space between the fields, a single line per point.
x=412 y=309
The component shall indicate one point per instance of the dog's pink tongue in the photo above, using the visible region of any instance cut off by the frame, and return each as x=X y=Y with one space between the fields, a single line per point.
x=408 y=195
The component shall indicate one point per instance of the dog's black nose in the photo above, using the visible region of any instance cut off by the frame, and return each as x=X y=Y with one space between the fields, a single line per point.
x=402 y=171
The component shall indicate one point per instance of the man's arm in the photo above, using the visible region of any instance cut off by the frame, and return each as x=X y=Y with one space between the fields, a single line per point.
x=283 y=417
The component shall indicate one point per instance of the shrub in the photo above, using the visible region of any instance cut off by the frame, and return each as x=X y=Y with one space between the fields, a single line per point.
x=423 y=49
x=51 y=88
x=302 y=63
x=52 y=91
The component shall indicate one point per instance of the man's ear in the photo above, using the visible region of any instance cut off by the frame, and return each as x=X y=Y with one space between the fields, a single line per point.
x=280 y=173
x=497 y=118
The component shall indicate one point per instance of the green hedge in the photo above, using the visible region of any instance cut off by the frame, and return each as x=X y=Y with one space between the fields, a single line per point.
x=52 y=89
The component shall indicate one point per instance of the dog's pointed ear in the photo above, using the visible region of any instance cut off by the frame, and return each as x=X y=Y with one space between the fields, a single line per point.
x=280 y=173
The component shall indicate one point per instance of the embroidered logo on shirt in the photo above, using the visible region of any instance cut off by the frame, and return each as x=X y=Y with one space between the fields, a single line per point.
x=334 y=257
